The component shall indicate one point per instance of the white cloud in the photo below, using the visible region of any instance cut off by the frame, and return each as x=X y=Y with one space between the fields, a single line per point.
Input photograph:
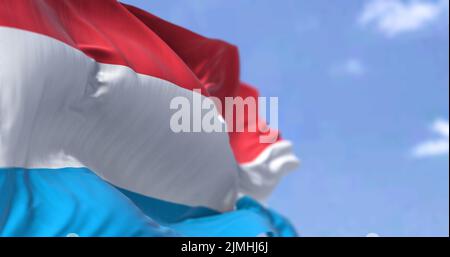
x=393 y=17
x=435 y=147
x=351 y=67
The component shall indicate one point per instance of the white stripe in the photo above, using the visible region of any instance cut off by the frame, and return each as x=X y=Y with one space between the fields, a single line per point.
x=60 y=108
x=259 y=177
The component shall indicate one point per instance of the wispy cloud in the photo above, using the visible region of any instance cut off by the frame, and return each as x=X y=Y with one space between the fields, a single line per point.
x=392 y=17
x=435 y=147
x=353 y=67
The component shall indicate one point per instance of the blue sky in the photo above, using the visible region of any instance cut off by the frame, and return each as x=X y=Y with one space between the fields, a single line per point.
x=363 y=89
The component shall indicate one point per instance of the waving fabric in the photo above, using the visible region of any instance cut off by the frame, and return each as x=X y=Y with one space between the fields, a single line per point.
x=85 y=141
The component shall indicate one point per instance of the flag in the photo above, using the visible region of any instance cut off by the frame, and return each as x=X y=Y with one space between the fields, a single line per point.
x=86 y=146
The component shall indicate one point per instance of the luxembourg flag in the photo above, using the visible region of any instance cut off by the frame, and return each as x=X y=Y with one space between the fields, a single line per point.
x=86 y=146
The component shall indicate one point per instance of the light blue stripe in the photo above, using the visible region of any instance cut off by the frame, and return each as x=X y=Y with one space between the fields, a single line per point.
x=57 y=202
x=46 y=202
x=165 y=212
x=248 y=220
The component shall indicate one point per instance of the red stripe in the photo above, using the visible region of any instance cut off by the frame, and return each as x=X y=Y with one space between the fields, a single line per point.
x=246 y=146
x=103 y=30
x=214 y=62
